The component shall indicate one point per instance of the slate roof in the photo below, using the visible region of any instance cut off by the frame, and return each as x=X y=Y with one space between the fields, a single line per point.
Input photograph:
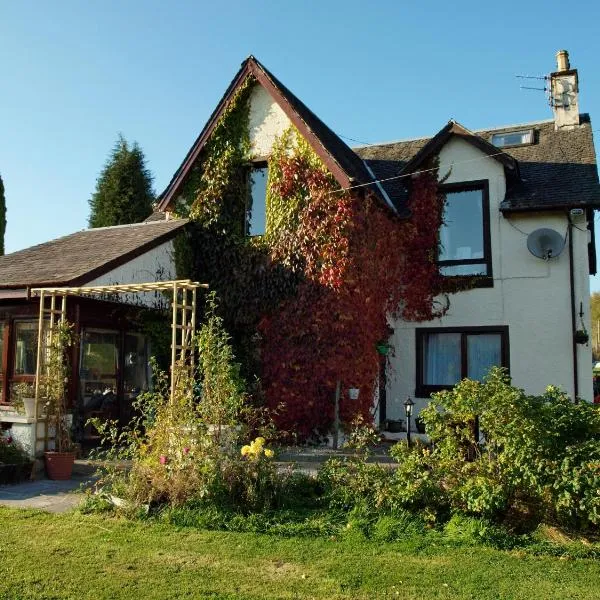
x=156 y=215
x=83 y=256
x=557 y=171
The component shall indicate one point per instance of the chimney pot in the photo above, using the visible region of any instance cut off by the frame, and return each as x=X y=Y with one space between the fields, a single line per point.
x=562 y=61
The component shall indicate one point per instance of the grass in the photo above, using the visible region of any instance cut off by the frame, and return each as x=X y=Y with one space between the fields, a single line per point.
x=90 y=556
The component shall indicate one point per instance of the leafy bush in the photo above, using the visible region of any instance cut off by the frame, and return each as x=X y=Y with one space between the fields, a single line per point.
x=221 y=386
x=535 y=456
x=496 y=453
x=184 y=446
x=11 y=452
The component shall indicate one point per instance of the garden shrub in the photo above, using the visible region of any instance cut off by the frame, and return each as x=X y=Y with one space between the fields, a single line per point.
x=185 y=446
x=495 y=453
x=537 y=456
x=11 y=453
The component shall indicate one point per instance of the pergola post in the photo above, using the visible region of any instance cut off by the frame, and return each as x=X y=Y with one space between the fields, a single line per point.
x=182 y=351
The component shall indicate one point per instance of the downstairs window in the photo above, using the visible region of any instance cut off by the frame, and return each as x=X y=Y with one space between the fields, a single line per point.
x=445 y=356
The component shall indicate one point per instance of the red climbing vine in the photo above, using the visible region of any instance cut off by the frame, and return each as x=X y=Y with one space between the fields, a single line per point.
x=319 y=286
x=361 y=264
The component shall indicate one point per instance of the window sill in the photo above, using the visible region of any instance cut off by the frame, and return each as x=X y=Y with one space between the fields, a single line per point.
x=425 y=391
x=463 y=283
x=8 y=418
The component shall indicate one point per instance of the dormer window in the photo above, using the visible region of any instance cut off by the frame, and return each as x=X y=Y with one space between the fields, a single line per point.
x=256 y=210
x=513 y=138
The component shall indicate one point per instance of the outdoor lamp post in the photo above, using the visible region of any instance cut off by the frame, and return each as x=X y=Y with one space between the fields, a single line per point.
x=408 y=406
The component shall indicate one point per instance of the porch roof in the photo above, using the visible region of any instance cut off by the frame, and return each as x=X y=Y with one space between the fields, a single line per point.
x=81 y=257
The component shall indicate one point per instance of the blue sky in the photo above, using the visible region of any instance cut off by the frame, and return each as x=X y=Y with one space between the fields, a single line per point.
x=74 y=74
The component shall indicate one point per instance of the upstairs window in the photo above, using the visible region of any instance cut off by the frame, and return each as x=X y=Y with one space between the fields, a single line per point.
x=512 y=138
x=465 y=234
x=256 y=210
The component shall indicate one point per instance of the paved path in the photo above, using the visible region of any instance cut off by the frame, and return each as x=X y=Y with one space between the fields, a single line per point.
x=62 y=496
x=45 y=494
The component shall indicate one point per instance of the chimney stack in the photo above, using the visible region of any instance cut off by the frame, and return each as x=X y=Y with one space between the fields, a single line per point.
x=564 y=93
x=562 y=61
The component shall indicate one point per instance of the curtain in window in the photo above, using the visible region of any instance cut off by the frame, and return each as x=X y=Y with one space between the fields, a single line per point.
x=483 y=351
x=441 y=359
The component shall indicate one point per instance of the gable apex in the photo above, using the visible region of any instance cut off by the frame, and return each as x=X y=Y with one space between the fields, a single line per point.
x=347 y=168
x=453 y=129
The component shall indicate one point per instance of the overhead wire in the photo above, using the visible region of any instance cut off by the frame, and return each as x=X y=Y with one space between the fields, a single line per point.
x=420 y=171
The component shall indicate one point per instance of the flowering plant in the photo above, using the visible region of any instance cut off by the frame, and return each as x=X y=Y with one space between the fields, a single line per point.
x=256 y=449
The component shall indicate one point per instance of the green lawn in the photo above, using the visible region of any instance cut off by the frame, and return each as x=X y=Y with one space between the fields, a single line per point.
x=76 y=556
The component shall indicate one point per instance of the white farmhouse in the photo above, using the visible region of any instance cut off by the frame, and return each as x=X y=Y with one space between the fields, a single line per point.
x=509 y=191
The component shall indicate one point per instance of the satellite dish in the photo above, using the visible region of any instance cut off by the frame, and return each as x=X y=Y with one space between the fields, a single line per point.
x=545 y=243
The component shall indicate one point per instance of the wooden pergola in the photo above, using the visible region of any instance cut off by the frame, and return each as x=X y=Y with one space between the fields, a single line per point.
x=183 y=324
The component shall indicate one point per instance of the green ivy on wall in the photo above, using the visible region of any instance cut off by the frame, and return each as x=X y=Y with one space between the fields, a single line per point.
x=306 y=303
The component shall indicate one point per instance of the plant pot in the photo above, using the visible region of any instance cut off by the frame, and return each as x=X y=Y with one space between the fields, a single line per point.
x=581 y=337
x=29 y=404
x=395 y=426
x=14 y=473
x=59 y=465
x=353 y=393
x=383 y=349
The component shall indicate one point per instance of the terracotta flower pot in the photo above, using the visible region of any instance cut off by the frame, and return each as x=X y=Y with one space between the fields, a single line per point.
x=59 y=465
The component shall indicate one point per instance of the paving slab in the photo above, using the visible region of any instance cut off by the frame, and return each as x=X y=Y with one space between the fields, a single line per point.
x=45 y=494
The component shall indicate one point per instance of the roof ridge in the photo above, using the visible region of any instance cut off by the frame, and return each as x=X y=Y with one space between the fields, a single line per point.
x=126 y=225
x=584 y=116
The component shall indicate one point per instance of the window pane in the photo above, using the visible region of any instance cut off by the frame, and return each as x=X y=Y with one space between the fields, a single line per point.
x=257 y=219
x=26 y=335
x=461 y=235
x=514 y=138
x=441 y=359
x=99 y=360
x=136 y=364
x=478 y=269
x=483 y=351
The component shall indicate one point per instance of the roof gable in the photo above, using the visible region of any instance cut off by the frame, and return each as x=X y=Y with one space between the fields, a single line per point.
x=558 y=171
x=344 y=164
x=454 y=129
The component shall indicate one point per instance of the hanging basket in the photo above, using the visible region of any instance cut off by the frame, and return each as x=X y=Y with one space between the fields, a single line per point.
x=581 y=336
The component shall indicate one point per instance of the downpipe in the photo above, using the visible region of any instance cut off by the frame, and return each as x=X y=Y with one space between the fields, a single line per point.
x=573 y=310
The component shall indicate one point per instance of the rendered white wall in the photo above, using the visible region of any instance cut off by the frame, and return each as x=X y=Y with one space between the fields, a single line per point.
x=157 y=264
x=530 y=296
x=267 y=122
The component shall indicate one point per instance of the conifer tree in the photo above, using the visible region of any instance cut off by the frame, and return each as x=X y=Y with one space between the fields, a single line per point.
x=2 y=216
x=124 y=191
